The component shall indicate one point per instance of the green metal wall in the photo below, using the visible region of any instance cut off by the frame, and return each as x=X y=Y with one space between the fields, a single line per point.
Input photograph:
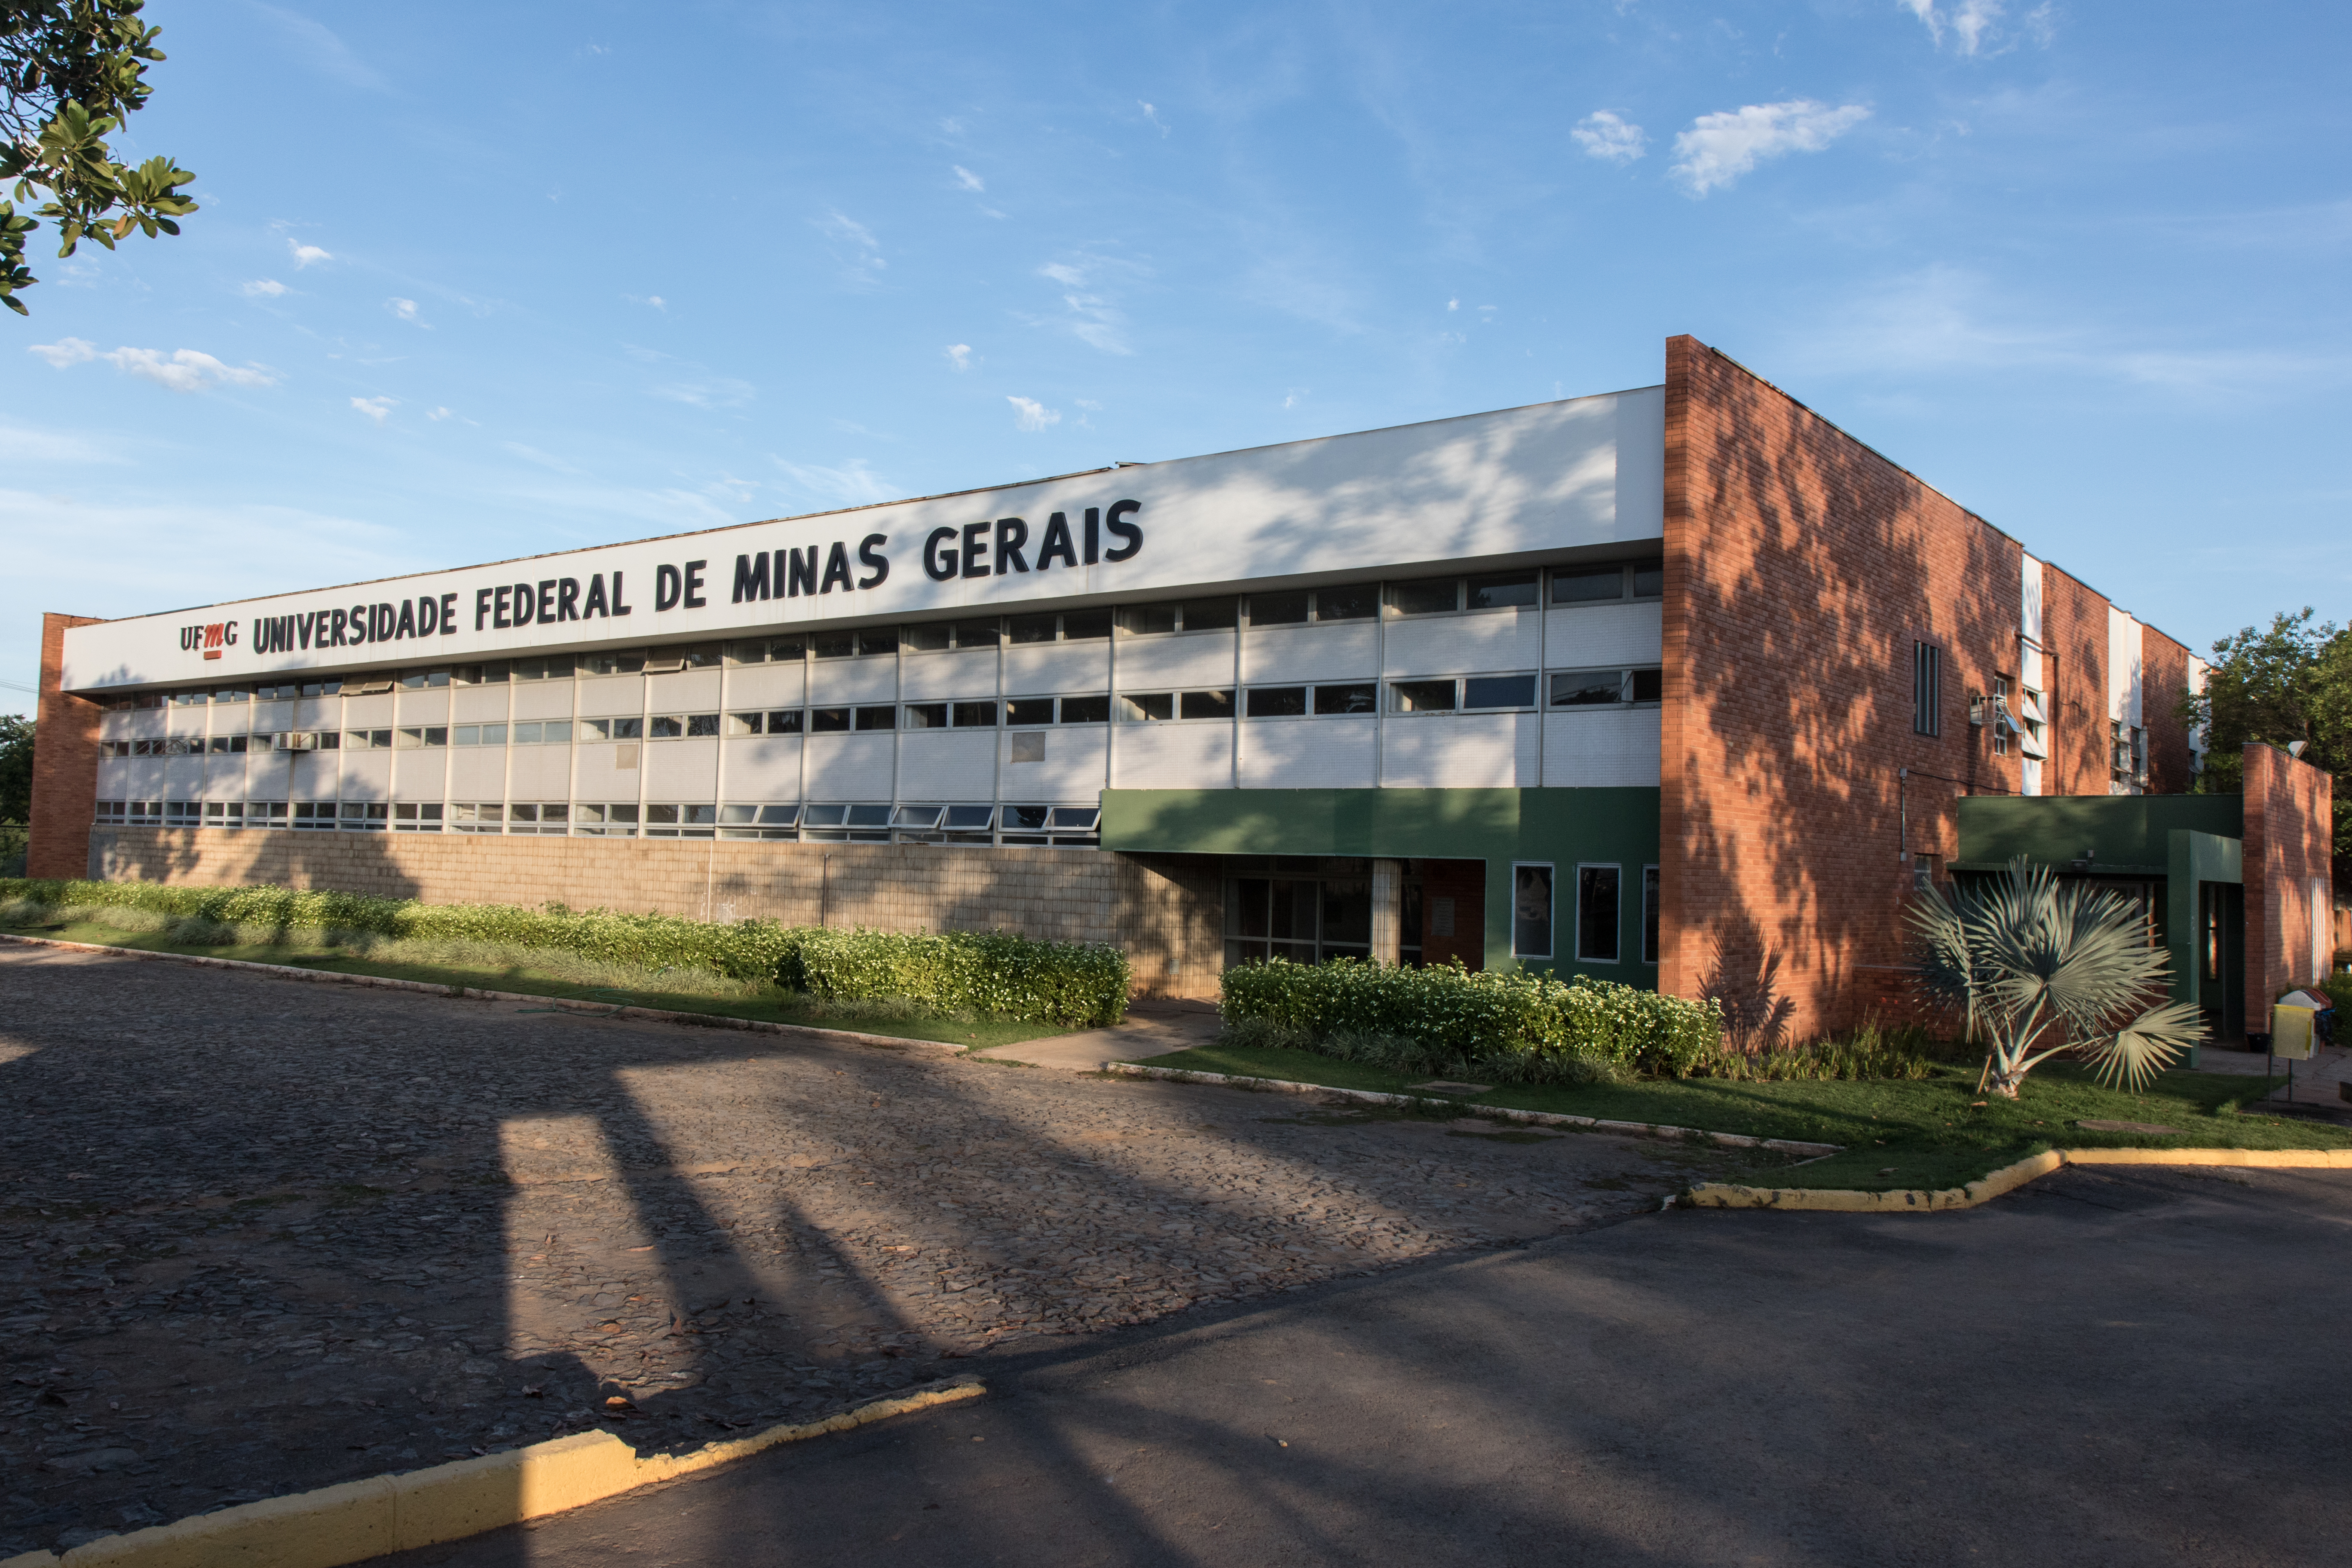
x=2126 y=835
x=1563 y=826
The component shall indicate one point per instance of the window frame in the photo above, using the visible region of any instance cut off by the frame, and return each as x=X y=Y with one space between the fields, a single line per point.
x=1551 y=911
x=1616 y=869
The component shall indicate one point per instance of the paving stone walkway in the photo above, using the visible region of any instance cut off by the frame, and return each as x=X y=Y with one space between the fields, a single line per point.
x=258 y=1235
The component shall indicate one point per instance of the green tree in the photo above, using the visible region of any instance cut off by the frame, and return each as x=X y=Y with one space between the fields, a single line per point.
x=2290 y=683
x=71 y=72
x=2034 y=969
x=16 y=787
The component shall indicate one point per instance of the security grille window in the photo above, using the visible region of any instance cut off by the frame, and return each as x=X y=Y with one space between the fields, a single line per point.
x=420 y=817
x=611 y=821
x=605 y=730
x=2001 y=704
x=1638 y=687
x=1531 y=911
x=1927 y=689
x=420 y=737
x=1649 y=914
x=1596 y=914
x=478 y=735
x=1307 y=919
x=630 y=661
x=1616 y=583
x=766 y=650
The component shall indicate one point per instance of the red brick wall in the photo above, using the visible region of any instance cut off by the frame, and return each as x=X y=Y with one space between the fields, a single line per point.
x=2290 y=809
x=2074 y=632
x=65 y=764
x=1800 y=568
x=2164 y=684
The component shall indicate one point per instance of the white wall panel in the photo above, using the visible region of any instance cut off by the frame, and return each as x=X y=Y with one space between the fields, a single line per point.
x=944 y=677
x=184 y=721
x=597 y=773
x=1308 y=754
x=1584 y=751
x=419 y=775
x=1597 y=635
x=269 y=777
x=2124 y=677
x=1168 y=663
x=1461 y=751
x=367 y=712
x=184 y=778
x=761 y=768
x=544 y=772
x=947 y=764
x=850 y=767
x=427 y=706
x=114 y=778
x=603 y=695
x=367 y=775
x=114 y=726
x=680 y=770
x=1057 y=667
x=1071 y=772
x=479 y=704
x=480 y=772
x=766 y=686
x=686 y=691
x=1449 y=644
x=543 y=700
x=314 y=775
x=846 y=682
x=146 y=724
x=273 y=716
x=327 y=713
x=144 y=780
x=1174 y=755
x=223 y=778
x=1344 y=651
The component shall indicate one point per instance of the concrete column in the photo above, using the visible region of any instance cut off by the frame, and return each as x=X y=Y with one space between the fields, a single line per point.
x=1388 y=888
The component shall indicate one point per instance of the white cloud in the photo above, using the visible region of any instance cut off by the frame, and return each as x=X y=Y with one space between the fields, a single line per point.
x=1453 y=304
x=187 y=370
x=404 y=308
x=21 y=444
x=966 y=179
x=304 y=255
x=1092 y=319
x=655 y=300
x=437 y=415
x=1975 y=25
x=263 y=289
x=1030 y=414
x=960 y=355
x=1719 y=148
x=853 y=484
x=65 y=351
x=375 y=408
x=719 y=392
x=1088 y=403
x=1153 y=115
x=1290 y=399
x=855 y=248
x=1604 y=136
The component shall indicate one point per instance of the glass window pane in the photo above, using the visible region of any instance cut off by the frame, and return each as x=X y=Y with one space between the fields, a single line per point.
x=621 y=813
x=970 y=714
x=1211 y=614
x=1277 y=609
x=1148 y=706
x=926 y=715
x=669 y=726
x=778 y=816
x=1531 y=911
x=1290 y=912
x=823 y=816
x=494 y=734
x=976 y=634
x=1086 y=710
x=558 y=732
x=1499 y=691
x=1033 y=628
x=738 y=814
x=1428 y=598
x=746 y=723
x=1086 y=625
x=875 y=640
x=1423 y=696
x=1649 y=914
x=1502 y=591
x=1028 y=819
x=971 y=818
x=1587 y=688
x=696 y=724
x=1079 y=817
x=878 y=718
x=1596 y=914
x=1649 y=579
x=699 y=815
x=526 y=734
x=1356 y=604
x=1360 y=698
x=869 y=816
x=1029 y=710
x=785 y=722
x=1587 y=586
x=835 y=644
x=825 y=720
x=928 y=636
x=1206 y=705
x=1649 y=685
x=737 y=653
x=1277 y=701
x=1143 y=620
x=1347 y=910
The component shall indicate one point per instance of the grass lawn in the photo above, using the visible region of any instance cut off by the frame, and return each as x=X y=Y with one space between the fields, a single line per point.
x=776 y=1007
x=1925 y=1133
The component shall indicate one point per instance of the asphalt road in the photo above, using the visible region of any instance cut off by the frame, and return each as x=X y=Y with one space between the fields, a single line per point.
x=2139 y=1367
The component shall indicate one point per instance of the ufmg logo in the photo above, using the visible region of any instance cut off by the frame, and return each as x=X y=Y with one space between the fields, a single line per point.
x=213 y=639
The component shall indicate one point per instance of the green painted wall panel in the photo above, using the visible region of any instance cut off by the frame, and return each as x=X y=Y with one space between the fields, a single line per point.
x=2112 y=831
x=1500 y=826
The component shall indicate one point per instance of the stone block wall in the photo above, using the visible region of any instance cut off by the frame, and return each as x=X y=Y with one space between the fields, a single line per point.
x=1165 y=911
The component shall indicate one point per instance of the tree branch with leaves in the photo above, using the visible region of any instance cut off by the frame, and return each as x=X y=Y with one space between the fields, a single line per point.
x=71 y=73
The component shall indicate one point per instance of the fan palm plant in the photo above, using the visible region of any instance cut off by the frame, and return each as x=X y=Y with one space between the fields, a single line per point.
x=2037 y=969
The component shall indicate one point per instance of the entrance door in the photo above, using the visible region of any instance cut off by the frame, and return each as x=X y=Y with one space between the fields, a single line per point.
x=2221 y=958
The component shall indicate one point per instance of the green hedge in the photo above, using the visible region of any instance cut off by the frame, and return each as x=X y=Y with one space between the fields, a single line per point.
x=999 y=973
x=1520 y=1025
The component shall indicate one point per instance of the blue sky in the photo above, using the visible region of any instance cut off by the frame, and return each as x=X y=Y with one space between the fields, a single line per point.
x=481 y=280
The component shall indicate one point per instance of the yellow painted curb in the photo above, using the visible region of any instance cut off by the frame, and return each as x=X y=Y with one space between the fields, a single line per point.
x=2008 y=1178
x=359 y=1519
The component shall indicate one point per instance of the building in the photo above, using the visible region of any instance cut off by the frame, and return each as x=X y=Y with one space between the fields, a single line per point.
x=1680 y=686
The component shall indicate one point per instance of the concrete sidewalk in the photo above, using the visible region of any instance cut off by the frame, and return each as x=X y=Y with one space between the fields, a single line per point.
x=1152 y=1028
x=2316 y=1082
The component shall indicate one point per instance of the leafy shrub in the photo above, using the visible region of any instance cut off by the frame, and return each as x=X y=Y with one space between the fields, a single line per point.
x=996 y=973
x=1519 y=1028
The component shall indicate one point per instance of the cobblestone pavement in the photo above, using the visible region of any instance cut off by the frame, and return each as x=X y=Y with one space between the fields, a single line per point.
x=258 y=1235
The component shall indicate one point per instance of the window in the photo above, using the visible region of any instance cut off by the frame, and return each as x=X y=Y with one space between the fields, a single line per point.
x=423 y=680
x=609 y=730
x=546 y=667
x=1603 y=688
x=416 y=818
x=1360 y=603
x=189 y=698
x=418 y=737
x=928 y=636
x=878 y=718
x=972 y=715
x=630 y=661
x=233 y=694
x=1927 y=689
x=1205 y=705
x=1178 y=616
x=1307 y=919
x=828 y=720
x=2001 y=706
x=229 y=744
x=616 y=821
x=1144 y=708
x=1434 y=597
x=1613 y=583
x=1499 y=691
x=770 y=821
x=1279 y=609
x=483 y=818
x=2031 y=739
x=1503 y=591
x=1423 y=696
x=977 y=634
x=1596 y=914
x=224 y=814
x=277 y=693
x=1278 y=702
x=1359 y=696
x=367 y=817
x=1531 y=911
x=1086 y=710
x=669 y=727
x=478 y=735
x=314 y=815
x=183 y=814
x=833 y=645
x=538 y=816
x=546 y=732
x=1649 y=914
x=1029 y=710
x=926 y=715
x=265 y=814
x=683 y=821
x=1076 y=626
x=768 y=651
